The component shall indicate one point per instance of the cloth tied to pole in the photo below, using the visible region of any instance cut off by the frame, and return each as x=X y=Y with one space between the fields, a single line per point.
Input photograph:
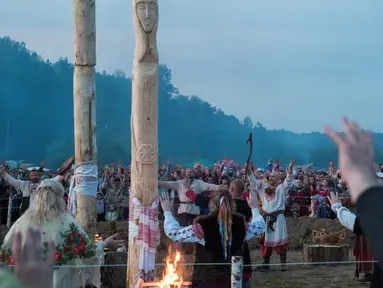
x=146 y=233
x=86 y=178
x=72 y=205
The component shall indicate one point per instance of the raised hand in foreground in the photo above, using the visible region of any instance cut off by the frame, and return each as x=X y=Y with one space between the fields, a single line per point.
x=165 y=202
x=356 y=157
x=334 y=200
x=30 y=268
x=112 y=243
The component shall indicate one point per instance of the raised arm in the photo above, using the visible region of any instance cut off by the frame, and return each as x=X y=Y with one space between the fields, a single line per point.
x=288 y=182
x=189 y=234
x=173 y=185
x=20 y=184
x=167 y=171
x=58 y=178
x=346 y=218
x=209 y=187
x=256 y=227
x=256 y=185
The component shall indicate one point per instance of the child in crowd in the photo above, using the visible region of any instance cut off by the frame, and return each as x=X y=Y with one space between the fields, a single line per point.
x=321 y=200
x=100 y=207
x=112 y=214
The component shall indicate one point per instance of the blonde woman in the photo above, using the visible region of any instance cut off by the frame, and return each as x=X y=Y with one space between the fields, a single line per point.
x=74 y=248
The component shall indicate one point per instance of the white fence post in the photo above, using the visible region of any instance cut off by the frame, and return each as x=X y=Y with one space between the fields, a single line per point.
x=236 y=271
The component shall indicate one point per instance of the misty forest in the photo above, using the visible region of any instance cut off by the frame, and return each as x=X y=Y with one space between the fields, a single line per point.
x=37 y=119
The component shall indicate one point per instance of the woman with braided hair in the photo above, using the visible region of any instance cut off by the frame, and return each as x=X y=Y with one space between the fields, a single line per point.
x=218 y=236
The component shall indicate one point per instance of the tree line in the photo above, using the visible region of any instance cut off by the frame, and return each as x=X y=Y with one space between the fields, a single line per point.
x=36 y=115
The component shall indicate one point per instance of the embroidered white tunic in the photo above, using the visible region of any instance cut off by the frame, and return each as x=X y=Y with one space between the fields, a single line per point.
x=58 y=230
x=25 y=186
x=345 y=216
x=194 y=233
x=198 y=186
x=270 y=204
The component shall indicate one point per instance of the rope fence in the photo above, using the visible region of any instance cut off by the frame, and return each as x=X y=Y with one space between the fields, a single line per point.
x=224 y=264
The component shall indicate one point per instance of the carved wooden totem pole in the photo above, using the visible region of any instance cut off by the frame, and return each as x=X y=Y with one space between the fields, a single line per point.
x=86 y=171
x=143 y=219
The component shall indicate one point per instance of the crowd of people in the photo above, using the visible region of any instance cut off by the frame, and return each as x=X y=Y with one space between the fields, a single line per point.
x=307 y=196
x=222 y=204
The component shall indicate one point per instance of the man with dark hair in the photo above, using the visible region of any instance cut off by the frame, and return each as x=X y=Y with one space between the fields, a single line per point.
x=27 y=187
x=188 y=211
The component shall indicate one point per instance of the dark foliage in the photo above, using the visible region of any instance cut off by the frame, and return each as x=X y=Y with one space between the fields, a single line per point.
x=37 y=119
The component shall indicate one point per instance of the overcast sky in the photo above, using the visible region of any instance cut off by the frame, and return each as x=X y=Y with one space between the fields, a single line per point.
x=297 y=64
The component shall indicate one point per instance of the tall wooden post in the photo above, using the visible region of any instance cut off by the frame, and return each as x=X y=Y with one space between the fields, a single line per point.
x=84 y=16
x=144 y=136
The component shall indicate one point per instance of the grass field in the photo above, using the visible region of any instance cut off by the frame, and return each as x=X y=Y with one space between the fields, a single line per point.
x=326 y=276
x=297 y=275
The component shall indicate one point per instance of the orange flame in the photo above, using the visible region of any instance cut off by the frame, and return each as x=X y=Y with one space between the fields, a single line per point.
x=170 y=276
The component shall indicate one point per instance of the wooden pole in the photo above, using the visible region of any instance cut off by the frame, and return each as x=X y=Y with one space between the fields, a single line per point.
x=144 y=124
x=84 y=16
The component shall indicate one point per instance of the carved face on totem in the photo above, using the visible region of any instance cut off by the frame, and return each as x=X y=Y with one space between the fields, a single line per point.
x=147 y=13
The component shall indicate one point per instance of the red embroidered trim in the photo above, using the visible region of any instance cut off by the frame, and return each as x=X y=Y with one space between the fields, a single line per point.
x=247 y=275
x=274 y=244
x=198 y=231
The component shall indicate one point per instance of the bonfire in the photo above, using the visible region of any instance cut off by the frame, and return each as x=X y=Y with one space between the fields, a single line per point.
x=171 y=278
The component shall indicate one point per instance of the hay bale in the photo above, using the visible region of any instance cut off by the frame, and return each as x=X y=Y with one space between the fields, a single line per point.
x=300 y=230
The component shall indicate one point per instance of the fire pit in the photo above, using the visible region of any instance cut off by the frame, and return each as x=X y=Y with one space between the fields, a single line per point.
x=175 y=285
x=170 y=278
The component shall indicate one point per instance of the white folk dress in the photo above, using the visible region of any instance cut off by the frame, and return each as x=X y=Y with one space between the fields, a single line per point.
x=194 y=233
x=271 y=204
x=198 y=186
x=74 y=249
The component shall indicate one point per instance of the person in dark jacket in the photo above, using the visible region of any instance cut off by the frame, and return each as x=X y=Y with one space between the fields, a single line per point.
x=356 y=158
x=4 y=198
x=236 y=189
x=351 y=221
x=219 y=236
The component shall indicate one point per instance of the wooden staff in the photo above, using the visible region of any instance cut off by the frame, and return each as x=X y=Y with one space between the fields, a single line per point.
x=250 y=142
